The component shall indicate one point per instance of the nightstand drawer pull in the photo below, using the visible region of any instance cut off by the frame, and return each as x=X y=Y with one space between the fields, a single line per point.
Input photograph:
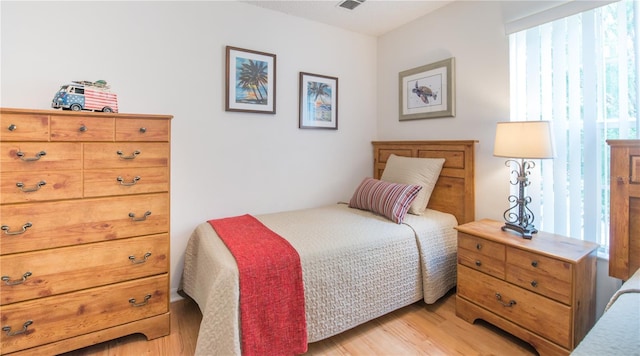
x=133 y=155
x=478 y=263
x=143 y=260
x=534 y=263
x=534 y=284
x=29 y=190
x=478 y=246
x=133 y=181
x=6 y=229
x=144 y=302
x=7 y=280
x=12 y=127
x=506 y=305
x=83 y=128
x=29 y=159
x=26 y=324
x=143 y=218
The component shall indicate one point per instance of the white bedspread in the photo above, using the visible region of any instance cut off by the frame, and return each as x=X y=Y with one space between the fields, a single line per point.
x=356 y=267
x=617 y=332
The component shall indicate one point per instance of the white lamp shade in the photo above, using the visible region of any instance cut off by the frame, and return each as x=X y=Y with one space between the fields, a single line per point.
x=524 y=139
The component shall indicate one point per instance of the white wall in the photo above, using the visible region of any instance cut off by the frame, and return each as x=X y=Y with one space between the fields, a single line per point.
x=472 y=32
x=168 y=58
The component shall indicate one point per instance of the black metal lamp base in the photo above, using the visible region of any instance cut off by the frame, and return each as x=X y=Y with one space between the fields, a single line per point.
x=526 y=232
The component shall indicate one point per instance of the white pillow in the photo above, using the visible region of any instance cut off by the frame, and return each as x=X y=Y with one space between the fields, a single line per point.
x=418 y=171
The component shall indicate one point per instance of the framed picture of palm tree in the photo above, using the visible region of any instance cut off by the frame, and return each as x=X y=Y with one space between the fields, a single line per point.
x=318 y=101
x=250 y=84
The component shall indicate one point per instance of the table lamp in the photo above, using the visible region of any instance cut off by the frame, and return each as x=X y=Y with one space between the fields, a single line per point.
x=523 y=140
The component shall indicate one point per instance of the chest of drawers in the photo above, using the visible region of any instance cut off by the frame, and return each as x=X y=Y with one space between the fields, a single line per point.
x=84 y=213
x=541 y=290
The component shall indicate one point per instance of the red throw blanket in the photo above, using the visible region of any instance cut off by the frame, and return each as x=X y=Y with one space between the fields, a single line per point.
x=272 y=315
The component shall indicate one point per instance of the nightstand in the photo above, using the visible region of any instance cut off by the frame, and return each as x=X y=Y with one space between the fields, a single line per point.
x=541 y=290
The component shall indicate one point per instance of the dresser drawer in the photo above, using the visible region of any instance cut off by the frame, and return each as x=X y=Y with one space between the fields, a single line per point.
x=24 y=127
x=122 y=181
x=59 y=317
x=40 y=226
x=545 y=317
x=480 y=254
x=20 y=187
x=547 y=276
x=50 y=272
x=125 y=154
x=142 y=130
x=40 y=156
x=80 y=128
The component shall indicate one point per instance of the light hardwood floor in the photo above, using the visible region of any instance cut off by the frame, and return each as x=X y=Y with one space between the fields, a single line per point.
x=418 y=329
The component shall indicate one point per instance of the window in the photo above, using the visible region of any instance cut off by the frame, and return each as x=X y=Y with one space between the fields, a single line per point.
x=581 y=73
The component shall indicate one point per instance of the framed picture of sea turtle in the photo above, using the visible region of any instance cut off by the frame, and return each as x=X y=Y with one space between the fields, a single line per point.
x=428 y=92
x=318 y=101
x=250 y=84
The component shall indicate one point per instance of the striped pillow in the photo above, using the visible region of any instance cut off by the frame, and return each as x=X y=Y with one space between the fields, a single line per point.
x=391 y=200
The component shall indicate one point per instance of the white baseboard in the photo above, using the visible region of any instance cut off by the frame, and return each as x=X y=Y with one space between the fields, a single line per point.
x=174 y=296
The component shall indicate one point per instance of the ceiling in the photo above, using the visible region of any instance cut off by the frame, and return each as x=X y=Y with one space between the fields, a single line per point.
x=372 y=17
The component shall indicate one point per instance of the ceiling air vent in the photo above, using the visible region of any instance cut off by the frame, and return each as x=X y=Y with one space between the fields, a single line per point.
x=350 y=4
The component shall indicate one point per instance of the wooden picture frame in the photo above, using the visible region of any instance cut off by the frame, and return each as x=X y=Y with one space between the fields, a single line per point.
x=318 y=102
x=428 y=92
x=250 y=83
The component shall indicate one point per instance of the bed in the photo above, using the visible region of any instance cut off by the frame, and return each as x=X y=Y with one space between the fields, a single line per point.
x=356 y=264
x=617 y=332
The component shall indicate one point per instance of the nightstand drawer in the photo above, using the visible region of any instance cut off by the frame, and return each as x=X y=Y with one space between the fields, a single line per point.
x=481 y=262
x=481 y=246
x=481 y=254
x=541 y=315
x=544 y=275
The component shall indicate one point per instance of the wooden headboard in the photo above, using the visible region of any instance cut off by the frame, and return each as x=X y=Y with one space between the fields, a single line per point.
x=454 y=192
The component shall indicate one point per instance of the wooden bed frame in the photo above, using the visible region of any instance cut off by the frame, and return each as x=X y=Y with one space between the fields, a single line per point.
x=454 y=192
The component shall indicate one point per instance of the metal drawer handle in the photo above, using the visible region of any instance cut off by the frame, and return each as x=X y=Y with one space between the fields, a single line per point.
x=534 y=263
x=144 y=302
x=133 y=216
x=6 y=229
x=506 y=305
x=133 y=260
x=534 y=284
x=143 y=130
x=133 y=182
x=133 y=155
x=12 y=127
x=29 y=190
x=26 y=324
x=478 y=263
x=7 y=280
x=29 y=159
x=478 y=246
x=83 y=128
